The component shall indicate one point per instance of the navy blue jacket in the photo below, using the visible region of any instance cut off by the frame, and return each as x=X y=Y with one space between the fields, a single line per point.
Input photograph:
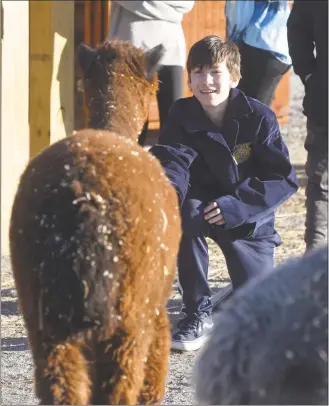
x=243 y=166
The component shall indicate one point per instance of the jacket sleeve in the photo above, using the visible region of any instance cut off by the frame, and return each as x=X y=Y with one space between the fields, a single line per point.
x=257 y=196
x=300 y=39
x=174 y=155
x=176 y=161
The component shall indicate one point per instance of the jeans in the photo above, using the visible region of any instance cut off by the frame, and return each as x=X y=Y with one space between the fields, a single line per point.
x=316 y=168
x=245 y=258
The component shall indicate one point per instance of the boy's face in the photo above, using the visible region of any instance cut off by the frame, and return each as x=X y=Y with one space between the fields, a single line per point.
x=211 y=85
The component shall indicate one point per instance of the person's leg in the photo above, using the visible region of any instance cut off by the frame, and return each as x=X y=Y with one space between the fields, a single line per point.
x=316 y=192
x=143 y=134
x=261 y=73
x=193 y=259
x=248 y=258
x=192 y=275
x=171 y=88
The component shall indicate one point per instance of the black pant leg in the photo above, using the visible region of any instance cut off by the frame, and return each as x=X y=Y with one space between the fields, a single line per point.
x=171 y=88
x=316 y=224
x=246 y=259
x=261 y=73
x=193 y=259
x=143 y=134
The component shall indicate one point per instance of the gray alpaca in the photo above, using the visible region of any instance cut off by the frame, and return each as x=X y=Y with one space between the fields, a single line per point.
x=270 y=343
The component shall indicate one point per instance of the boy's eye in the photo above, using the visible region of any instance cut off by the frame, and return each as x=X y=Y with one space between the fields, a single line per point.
x=216 y=71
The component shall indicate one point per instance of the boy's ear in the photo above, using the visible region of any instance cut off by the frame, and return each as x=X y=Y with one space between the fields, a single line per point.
x=189 y=81
x=234 y=83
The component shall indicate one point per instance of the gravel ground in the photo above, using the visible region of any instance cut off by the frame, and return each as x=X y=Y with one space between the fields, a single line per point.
x=16 y=362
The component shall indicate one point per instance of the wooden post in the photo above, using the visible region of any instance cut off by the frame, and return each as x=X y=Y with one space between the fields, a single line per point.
x=51 y=80
x=96 y=25
x=87 y=27
x=14 y=92
x=106 y=17
x=41 y=65
x=97 y=22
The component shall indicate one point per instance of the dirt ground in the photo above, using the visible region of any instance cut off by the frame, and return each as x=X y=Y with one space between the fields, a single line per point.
x=16 y=363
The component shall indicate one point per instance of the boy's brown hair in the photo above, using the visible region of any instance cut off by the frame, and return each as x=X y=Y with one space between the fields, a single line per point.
x=211 y=50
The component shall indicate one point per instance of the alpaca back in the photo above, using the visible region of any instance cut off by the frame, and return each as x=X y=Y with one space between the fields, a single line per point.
x=86 y=213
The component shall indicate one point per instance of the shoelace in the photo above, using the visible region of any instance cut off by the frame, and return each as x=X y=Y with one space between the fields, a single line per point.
x=190 y=322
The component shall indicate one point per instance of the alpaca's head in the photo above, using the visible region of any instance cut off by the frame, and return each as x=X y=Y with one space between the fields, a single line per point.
x=119 y=80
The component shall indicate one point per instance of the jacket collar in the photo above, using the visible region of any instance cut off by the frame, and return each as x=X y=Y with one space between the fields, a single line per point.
x=197 y=120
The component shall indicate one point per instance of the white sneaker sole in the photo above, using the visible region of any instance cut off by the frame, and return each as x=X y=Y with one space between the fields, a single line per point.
x=189 y=346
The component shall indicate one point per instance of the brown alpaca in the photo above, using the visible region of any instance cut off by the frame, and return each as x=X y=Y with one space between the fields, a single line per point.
x=94 y=235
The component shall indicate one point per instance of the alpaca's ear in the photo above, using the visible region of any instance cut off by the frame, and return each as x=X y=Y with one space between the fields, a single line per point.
x=153 y=57
x=86 y=56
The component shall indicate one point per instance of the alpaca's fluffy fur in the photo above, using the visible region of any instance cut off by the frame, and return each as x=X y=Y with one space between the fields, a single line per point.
x=94 y=236
x=270 y=343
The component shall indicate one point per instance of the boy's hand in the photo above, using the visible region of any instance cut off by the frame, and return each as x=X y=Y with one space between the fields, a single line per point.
x=212 y=214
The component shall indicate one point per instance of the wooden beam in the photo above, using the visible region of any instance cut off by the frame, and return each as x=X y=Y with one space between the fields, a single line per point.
x=51 y=81
x=87 y=26
x=106 y=18
x=97 y=22
x=14 y=92
x=41 y=65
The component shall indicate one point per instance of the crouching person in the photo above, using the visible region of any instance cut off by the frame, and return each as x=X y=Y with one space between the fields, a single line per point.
x=224 y=154
x=270 y=343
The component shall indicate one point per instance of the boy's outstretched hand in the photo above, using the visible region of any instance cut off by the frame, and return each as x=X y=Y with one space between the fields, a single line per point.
x=213 y=214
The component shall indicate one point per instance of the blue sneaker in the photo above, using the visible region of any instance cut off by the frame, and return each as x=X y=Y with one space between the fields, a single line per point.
x=192 y=332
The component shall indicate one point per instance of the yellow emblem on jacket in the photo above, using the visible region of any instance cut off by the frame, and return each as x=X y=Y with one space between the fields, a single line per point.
x=242 y=152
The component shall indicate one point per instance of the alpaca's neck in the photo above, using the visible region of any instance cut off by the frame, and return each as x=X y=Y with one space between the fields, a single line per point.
x=122 y=112
x=125 y=118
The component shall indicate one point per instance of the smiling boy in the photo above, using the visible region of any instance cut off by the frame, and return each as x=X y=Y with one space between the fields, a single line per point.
x=224 y=154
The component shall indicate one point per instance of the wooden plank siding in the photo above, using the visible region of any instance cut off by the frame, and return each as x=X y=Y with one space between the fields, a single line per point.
x=51 y=72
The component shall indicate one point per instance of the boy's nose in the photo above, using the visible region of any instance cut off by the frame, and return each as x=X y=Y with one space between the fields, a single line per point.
x=207 y=78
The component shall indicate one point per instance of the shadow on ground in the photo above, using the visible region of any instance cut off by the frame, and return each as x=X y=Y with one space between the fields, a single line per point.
x=14 y=344
x=301 y=175
x=9 y=308
x=10 y=292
